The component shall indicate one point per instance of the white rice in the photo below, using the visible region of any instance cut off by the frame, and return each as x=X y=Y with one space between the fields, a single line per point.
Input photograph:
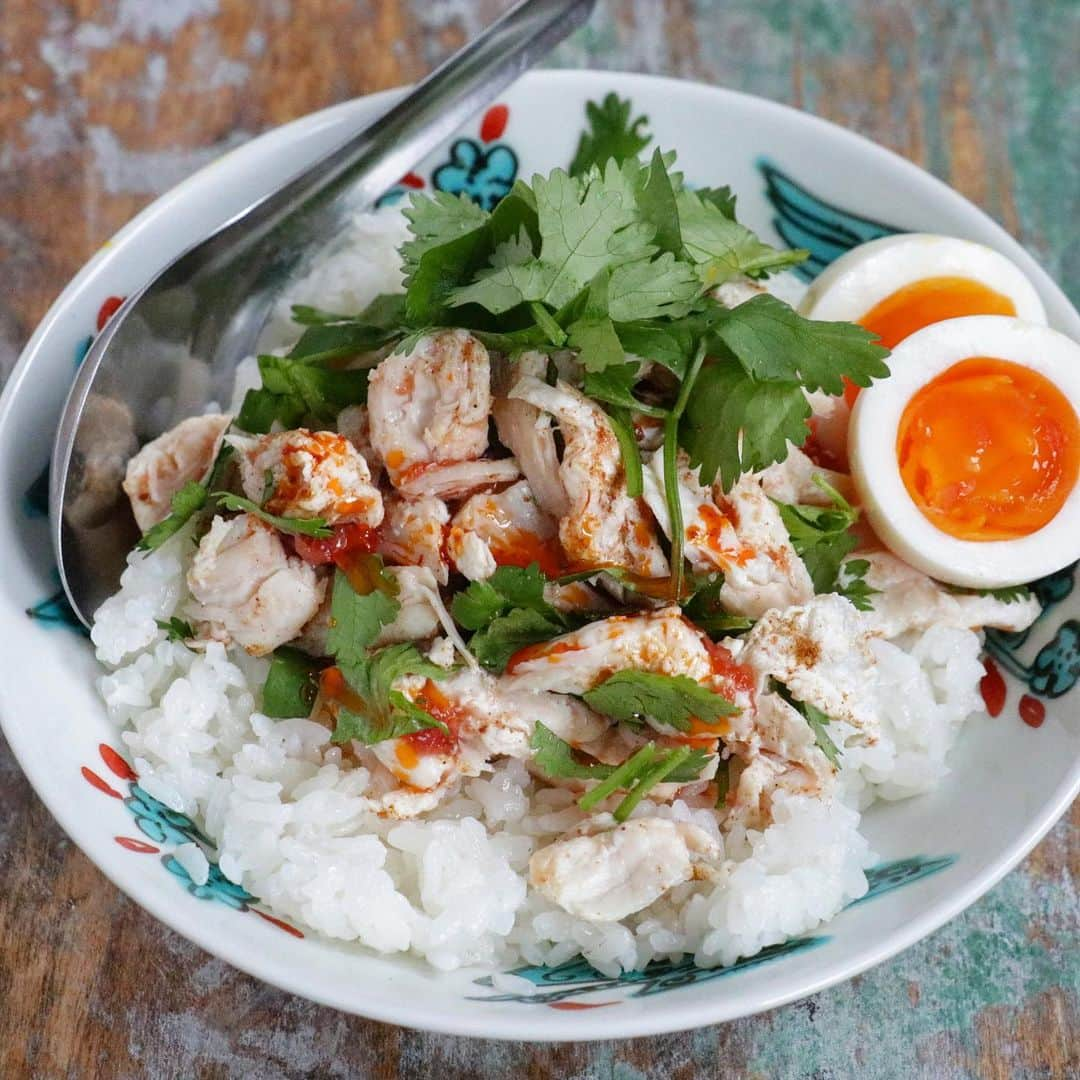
x=290 y=825
x=291 y=828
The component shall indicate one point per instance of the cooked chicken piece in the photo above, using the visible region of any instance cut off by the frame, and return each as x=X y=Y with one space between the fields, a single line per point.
x=246 y=588
x=612 y=874
x=505 y=527
x=821 y=652
x=391 y=792
x=775 y=577
x=430 y=406
x=908 y=600
x=419 y=771
x=162 y=467
x=414 y=532
x=604 y=526
x=527 y=431
x=741 y=534
x=660 y=641
x=417 y=620
x=353 y=422
x=778 y=752
x=710 y=541
x=460 y=479
x=487 y=720
x=792 y=481
x=308 y=474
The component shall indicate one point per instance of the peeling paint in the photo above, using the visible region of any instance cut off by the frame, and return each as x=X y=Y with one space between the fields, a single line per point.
x=148 y=171
x=142 y=19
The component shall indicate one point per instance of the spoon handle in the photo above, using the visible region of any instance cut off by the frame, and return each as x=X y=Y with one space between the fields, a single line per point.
x=372 y=161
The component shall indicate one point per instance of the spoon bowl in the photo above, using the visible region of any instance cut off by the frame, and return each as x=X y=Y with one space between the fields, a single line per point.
x=172 y=348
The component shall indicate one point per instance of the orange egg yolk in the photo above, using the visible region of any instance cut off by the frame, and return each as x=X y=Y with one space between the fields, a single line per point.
x=989 y=450
x=925 y=302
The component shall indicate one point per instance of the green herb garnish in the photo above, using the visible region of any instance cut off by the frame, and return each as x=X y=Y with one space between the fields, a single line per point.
x=186 y=503
x=315 y=527
x=851 y=583
x=502 y=637
x=671 y=700
x=637 y=775
x=817 y=720
x=291 y=684
x=1007 y=594
x=822 y=536
x=507 y=612
x=386 y=713
x=176 y=629
x=611 y=133
x=357 y=618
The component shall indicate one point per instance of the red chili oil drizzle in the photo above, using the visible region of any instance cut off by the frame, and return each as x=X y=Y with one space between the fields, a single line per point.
x=992 y=687
x=348 y=542
x=1032 y=711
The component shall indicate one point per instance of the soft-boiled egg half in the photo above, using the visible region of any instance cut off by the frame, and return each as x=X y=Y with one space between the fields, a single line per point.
x=899 y=284
x=967 y=457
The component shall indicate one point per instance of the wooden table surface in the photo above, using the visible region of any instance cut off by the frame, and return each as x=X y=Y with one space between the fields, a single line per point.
x=106 y=103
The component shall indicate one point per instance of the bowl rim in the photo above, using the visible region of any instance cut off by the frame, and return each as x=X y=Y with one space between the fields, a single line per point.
x=697 y=1011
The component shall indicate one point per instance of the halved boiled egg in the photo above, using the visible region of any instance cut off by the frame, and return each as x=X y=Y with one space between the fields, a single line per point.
x=967 y=458
x=899 y=284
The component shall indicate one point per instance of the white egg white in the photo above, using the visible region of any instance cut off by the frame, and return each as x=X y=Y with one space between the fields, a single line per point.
x=860 y=279
x=872 y=437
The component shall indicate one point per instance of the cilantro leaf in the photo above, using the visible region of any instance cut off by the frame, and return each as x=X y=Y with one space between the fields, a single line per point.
x=611 y=134
x=706 y=612
x=821 y=535
x=508 y=611
x=735 y=424
x=656 y=202
x=669 y=700
x=615 y=386
x=773 y=341
x=723 y=249
x=585 y=227
x=665 y=286
x=176 y=629
x=1008 y=594
x=375 y=711
x=721 y=197
x=672 y=344
x=597 y=343
x=185 y=504
x=555 y=758
x=506 y=634
x=356 y=618
x=386 y=311
x=323 y=342
x=435 y=221
x=293 y=390
x=851 y=583
x=817 y=720
x=316 y=527
x=509 y=587
x=291 y=684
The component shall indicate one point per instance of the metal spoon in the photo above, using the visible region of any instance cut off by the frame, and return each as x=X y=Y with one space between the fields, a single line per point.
x=174 y=345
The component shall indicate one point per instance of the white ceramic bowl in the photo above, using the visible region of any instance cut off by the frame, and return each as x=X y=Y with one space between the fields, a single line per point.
x=799 y=180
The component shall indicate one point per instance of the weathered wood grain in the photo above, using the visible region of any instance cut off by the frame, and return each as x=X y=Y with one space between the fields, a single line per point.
x=106 y=103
